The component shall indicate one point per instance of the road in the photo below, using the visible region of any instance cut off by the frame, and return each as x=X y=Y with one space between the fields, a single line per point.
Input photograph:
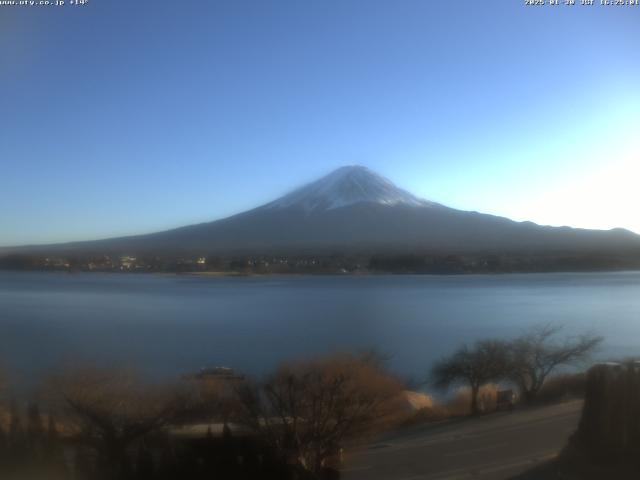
x=492 y=447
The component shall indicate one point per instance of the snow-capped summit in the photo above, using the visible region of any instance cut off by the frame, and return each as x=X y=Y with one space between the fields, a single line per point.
x=347 y=186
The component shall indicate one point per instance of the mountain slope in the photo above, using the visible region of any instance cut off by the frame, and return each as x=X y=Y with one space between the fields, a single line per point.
x=352 y=209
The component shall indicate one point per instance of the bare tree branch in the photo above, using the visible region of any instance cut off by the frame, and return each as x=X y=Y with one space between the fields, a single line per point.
x=536 y=354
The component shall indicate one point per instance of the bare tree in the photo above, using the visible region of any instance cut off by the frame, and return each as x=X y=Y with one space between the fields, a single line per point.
x=111 y=409
x=536 y=354
x=486 y=361
x=307 y=410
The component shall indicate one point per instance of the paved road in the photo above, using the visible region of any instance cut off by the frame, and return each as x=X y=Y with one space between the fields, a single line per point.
x=494 y=447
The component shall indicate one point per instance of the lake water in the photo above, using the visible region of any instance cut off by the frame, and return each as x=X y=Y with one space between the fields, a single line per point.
x=169 y=325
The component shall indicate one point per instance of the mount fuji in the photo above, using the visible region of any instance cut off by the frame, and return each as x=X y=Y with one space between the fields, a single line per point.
x=354 y=209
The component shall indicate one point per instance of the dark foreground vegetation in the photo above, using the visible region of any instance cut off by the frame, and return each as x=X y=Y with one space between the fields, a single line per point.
x=296 y=423
x=94 y=423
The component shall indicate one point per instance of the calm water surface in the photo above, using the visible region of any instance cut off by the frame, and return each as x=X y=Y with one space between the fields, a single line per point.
x=169 y=325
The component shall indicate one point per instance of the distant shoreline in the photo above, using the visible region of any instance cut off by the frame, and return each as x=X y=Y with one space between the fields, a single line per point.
x=224 y=274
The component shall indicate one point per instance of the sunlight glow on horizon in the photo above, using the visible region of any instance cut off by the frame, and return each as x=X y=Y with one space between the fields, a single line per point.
x=602 y=199
x=585 y=177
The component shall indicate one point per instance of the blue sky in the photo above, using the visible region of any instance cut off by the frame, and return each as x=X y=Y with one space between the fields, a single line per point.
x=125 y=117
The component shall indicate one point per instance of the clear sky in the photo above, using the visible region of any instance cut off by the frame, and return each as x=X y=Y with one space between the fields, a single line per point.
x=130 y=116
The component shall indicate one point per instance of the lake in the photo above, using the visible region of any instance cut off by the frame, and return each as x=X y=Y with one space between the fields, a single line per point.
x=168 y=325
